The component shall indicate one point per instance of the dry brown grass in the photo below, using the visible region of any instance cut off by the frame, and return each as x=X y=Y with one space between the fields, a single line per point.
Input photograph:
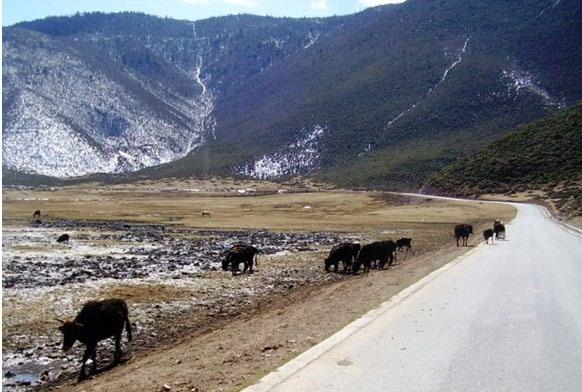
x=306 y=211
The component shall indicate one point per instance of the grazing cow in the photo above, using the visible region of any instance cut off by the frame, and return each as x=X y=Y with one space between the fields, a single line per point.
x=36 y=217
x=463 y=231
x=97 y=320
x=404 y=243
x=240 y=253
x=488 y=234
x=63 y=238
x=379 y=251
x=390 y=249
x=499 y=229
x=346 y=253
x=206 y=214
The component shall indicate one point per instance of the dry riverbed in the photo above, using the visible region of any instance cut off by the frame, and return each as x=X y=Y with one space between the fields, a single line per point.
x=148 y=243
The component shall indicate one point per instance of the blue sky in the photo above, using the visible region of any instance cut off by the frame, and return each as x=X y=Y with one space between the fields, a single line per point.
x=18 y=10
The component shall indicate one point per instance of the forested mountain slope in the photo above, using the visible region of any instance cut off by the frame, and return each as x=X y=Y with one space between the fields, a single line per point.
x=385 y=97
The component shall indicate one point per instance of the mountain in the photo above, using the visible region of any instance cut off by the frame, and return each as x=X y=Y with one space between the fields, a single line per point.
x=543 y=158
x=385 y=97
x=118 y=92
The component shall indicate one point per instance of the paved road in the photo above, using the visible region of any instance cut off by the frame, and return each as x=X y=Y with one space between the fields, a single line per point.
x=505 y=317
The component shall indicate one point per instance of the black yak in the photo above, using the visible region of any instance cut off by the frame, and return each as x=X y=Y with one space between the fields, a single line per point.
x=488 y=234
x=97 y=320
x=379 y=251
x=63 y=238
x=240 y=253
x=499 y=230
x=404 y=243
x=346 y=253
x=36 y=217
x=463 y=231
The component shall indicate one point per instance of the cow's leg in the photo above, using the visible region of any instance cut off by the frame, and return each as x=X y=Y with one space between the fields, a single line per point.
x=94 y=358
x=86 y=356
x=117 y=354
x=457 y=240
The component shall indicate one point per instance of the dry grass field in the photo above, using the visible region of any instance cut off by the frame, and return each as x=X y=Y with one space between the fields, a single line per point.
x=262 y=206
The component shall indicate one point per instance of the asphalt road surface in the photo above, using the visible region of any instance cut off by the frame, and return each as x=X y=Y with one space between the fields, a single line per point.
x=504 y=317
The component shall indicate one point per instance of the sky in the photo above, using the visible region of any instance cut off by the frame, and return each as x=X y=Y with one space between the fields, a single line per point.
x=14 y=11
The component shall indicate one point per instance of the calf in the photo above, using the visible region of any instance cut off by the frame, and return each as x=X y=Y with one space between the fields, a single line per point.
x=463 y=231
x=206 y=214
x=240 y=253
x=404 y=243
x=97 y=320
x=488 y=234
x=346 y=253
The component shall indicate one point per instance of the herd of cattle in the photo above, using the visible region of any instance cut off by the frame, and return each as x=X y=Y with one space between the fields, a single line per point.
x=99 y=320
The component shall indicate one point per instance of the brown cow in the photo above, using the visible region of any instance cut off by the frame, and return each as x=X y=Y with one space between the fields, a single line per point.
x=240 y=253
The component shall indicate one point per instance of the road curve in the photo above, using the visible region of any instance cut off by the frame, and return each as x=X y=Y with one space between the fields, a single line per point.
x=504 y=317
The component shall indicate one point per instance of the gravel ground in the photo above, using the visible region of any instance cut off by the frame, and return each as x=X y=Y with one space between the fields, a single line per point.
x=171 y=278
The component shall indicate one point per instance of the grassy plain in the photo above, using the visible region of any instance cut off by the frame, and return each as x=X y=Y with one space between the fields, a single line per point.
x=263 y=205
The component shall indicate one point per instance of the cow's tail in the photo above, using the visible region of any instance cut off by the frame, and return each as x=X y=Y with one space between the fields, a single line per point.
x=128 y=328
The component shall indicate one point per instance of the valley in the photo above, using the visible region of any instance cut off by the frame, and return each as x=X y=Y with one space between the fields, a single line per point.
x=146 y=157
x=196 y=326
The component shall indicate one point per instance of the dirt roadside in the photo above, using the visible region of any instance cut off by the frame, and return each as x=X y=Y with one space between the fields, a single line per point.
x=237 y=352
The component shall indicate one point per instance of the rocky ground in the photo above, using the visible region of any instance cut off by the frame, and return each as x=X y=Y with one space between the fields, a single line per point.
x=170 y=276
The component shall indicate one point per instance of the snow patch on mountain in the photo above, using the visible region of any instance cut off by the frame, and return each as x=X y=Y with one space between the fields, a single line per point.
x=312 y=39
x=205 y=103
x=300 y=157
x=277 y=42
x=519 y=80
x=67 y=118
x=458 y=59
